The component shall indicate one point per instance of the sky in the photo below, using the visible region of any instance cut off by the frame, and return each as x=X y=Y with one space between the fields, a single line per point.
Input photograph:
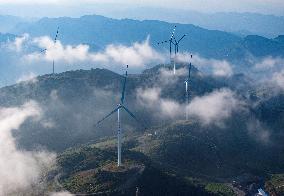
x=80 y=7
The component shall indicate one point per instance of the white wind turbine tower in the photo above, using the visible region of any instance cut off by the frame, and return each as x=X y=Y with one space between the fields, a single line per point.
x=54 y=42
x=118 y=109
x=187 y=88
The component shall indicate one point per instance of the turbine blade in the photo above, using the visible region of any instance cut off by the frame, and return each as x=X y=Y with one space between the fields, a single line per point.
x=133 y=116
x=173 y=32
x=56 y=36
x=108 y=115
x=123 y=90
x=130 y=113
x=181 y=38
x=124 y=86
x=163 y=42
x=175 y=41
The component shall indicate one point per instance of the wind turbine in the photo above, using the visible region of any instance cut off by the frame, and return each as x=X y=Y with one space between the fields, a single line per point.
x=176 y=44
x=170 y=41
x=118 y=109
x=54 y=42
x=186 y=88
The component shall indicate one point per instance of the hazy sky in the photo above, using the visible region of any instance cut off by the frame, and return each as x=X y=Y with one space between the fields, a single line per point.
x=29 y=7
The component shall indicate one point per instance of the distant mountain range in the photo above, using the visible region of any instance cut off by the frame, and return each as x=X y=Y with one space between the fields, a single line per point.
x=98 y=31
x=7 y=23
x=238 y=23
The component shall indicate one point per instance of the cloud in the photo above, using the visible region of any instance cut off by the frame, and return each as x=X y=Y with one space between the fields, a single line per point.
x=268 y=63
x=18 y=43
x=167 y=77
x=150 y=98
x=278 y=79
x=20 y=169
x=218 y=68
x=271 y=71
x=54 y=95
x=258 y=131
x=268 y=72
x=28 y=78
x=214 y=107
x=48 y=123
x=63 y=193
x=58 y=52
x=136 y=55
x=211 y=108
x=222 y=68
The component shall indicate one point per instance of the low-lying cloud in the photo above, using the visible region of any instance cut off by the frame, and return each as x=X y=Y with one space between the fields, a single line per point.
x=258 y=131
x=139 y=54
x=18 y=43
x=268 y=63
x=278 y=79
x=218 y=68
x=25 y=54
x=215 y=107
x=63 y=193
x=212 y=108
x=150 y=98
x=20 y=169
x=27 y=78
x=269 y=72
x=167 y=77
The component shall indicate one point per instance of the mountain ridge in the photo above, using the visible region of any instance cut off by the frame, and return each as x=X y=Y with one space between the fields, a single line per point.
x=208 y=43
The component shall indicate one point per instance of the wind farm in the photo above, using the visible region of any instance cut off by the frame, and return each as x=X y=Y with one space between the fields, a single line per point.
x=200 y=113
x=121 y=106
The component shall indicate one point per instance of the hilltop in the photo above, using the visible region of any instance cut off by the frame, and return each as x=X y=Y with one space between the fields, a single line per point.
x=188 y=155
